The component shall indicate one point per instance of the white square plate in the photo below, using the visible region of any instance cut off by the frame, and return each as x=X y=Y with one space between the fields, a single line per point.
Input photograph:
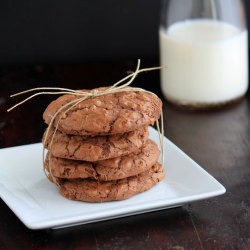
x=37 y=203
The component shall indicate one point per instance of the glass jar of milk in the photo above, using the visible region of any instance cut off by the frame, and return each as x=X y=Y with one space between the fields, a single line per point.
x=204 y=45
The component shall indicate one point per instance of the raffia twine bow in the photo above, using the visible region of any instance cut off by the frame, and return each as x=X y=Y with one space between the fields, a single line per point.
x=119 y=86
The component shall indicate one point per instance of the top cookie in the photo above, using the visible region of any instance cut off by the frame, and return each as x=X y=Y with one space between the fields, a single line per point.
x=106 y=114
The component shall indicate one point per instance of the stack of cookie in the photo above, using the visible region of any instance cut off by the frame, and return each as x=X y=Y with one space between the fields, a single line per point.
x=99 y=150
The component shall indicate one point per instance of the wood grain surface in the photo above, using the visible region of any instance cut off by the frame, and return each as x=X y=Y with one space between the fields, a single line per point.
x=218 y=140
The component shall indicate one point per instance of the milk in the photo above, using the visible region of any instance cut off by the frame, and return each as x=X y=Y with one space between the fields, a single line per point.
x=207 y=61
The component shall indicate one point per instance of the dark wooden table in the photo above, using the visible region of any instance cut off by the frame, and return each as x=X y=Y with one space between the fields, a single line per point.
x=218 y=140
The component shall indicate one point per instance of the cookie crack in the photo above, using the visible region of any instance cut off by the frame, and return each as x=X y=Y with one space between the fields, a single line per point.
x=111 y=124
x=75 y=150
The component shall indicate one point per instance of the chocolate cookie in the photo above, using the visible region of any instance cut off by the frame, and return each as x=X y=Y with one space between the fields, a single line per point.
x=106 y=114
x=106 y=170
x=96 y=191
x=86 y=148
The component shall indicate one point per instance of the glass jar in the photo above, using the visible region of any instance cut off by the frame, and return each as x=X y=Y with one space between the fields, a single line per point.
x=204 y=45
